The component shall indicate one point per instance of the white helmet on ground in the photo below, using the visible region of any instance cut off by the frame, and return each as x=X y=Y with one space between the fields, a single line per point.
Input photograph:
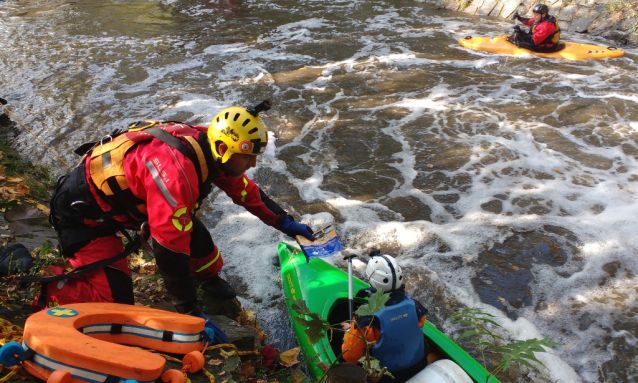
x=384 y=273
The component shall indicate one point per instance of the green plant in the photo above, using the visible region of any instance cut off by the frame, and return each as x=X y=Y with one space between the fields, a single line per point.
x=46 y=255
x=37 y=177
x=316 y=328
x=521 y=351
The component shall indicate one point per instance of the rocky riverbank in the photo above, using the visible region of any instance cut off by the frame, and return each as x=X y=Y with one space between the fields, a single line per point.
x=616 y=20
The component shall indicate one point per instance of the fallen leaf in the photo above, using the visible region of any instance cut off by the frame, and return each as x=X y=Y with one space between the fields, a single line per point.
x=515 y=267
x=298 y=376
x=215 y=362
x=44 y=209
x=227 y=354
x=502 y=299
x=247 y=317
x=429 y=166
x=221 y=373
x=568 y=346
x=557 y=169
x=246 y=370
x=289 y=358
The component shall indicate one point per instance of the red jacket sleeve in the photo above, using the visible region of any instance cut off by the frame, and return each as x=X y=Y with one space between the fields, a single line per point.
x=246 y=193
x=526 y=21
x=543 y=31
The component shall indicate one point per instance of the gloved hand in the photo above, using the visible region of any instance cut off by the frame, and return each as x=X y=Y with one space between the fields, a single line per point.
x=516 y=16
x=219 y=337
x=518 y=29
x=292 y=228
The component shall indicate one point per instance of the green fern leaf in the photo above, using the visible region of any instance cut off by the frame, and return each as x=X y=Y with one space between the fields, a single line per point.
x=523 y=351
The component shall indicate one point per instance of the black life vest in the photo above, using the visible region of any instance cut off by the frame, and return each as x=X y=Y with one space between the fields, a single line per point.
x=107 y=166
x=552 y=39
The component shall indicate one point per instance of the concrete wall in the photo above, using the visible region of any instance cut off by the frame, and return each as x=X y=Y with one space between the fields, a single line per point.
x=613 y=19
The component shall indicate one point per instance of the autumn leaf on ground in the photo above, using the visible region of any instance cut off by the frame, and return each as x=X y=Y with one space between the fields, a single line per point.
x=289 y=358
x=248 y=318
x=227 y=354
x=246 y=370
x=215 y=362
x=298 y=376
x=44 y=209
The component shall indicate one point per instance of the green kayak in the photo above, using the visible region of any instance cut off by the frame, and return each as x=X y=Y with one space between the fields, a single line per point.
x=325 y=290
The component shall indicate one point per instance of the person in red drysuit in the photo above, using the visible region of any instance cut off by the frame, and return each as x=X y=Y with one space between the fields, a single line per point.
x=544 y=32
x=157 y=174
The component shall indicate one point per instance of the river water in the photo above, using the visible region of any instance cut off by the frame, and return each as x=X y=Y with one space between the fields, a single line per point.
x=502 y=183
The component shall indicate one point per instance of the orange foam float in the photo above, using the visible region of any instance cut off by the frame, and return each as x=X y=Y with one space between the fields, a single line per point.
x=85 y=342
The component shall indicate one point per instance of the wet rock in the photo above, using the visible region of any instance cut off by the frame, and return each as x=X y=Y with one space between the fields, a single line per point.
x=585 y=321
x=446 y=198
x=229 y=308
x=411 y=208
x=509 y=8
x=494 y=206
x=487 y=7
x=627 y=24
x=611 y=268
x=497 y=10
x=243 y=337
x=452 y=210
x=506 y=278
x=624 y=349
x=586 y=3
x=583 y=19
x=568 y=12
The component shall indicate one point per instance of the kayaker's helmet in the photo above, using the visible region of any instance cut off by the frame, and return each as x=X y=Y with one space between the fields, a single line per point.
x=540 y=9
x=384 y=273
x=241 y=129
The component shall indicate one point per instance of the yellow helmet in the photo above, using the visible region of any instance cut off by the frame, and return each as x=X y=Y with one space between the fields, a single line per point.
x=241 y=130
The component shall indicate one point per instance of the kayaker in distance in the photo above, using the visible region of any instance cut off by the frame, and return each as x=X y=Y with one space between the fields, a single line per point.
x=544 y=33
x=159 y=173
x=398 y=327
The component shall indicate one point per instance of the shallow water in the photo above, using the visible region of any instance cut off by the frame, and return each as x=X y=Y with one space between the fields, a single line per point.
x=504 y=183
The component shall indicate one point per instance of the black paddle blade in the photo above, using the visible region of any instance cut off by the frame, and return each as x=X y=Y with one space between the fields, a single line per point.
x=3 y=101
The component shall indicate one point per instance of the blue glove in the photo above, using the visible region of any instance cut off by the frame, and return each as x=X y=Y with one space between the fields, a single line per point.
x=292 y=228
x=219 y=337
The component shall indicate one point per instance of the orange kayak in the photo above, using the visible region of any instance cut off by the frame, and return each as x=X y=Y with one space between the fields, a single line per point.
x=572 y=51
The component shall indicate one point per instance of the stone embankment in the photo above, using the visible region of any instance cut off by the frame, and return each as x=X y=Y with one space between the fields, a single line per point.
x=616 y=20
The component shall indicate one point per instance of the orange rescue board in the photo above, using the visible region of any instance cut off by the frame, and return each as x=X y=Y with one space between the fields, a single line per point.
x=572 y=51
x=86 y=339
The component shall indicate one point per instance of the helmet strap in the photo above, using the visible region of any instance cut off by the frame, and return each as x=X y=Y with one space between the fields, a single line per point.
x=394 y=274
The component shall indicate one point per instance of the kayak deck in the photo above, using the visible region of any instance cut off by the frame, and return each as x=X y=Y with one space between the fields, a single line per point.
x=324 y=288
x=572 y=51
